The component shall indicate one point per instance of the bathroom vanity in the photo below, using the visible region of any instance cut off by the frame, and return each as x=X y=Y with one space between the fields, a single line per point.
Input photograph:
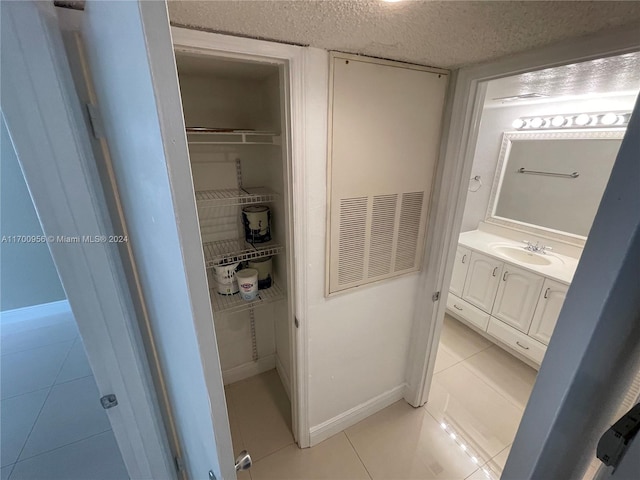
x=513 y=296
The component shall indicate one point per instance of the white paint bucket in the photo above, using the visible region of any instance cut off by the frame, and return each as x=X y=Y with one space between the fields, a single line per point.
x=257 y=223
x=264 y=266
x=225 y=278
x=248 y=283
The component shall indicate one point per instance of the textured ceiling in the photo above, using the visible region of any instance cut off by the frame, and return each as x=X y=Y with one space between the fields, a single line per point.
x=443 y=34
x=596 y=77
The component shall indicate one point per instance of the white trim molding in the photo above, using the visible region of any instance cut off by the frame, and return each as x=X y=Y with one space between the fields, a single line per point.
x=249 y=369
x=35 y=311
x=354 y=415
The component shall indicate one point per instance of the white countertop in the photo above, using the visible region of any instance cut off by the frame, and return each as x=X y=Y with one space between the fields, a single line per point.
x=561 y=269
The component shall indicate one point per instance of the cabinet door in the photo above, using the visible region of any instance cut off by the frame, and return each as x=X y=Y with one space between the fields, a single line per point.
x=482 y=281
x=549 y=305
x=517 y=297
x=463 y=257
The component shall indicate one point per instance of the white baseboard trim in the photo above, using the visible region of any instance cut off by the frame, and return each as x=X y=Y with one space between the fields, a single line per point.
x=351 y=417
x=35 y=311
x=249 y=369
x=284 y=378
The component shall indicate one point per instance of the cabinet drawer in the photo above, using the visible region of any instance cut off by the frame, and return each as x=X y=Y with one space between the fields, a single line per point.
x=517 y=340
x=468 y=312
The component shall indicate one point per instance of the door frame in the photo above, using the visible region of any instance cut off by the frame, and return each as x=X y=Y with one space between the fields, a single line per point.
x=45 y=121
x=292 y=57
x=460 y=135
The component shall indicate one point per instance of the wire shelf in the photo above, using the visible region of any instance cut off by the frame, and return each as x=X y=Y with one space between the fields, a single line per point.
x=235 y=303
x=234 y=196
x=225 y=252
x=204 y=137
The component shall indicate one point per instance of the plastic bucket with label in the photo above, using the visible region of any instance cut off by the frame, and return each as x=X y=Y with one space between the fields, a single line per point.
x=248 y=283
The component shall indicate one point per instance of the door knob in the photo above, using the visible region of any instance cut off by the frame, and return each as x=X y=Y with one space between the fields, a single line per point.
x=243 y=462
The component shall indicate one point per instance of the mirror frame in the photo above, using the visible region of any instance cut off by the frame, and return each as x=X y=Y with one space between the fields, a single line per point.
x=503 y=159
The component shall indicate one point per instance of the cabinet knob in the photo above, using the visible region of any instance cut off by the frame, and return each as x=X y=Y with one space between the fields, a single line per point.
x=504 y=277
x=495 y=270
x=546 y=292
x=464 y=257
x=457 y=307
x=522 y=346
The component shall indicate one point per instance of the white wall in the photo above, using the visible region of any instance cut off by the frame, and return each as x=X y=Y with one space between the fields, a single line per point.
x=358 y=341
x=497 y=120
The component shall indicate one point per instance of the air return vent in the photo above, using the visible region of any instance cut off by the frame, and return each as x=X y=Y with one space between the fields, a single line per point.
x=383 y=226
x=409 y=231
x=353 y=222
x=385 y=120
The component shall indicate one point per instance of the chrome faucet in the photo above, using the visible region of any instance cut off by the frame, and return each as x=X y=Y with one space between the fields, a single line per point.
x=537 y=248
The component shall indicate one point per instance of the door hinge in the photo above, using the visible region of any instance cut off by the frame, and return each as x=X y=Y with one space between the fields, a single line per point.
x=178 y=463
x=109 y=401
x=296 y=322
x=95 y=120
x=435 y=297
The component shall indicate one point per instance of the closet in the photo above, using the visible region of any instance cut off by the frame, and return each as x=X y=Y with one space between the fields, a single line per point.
x=236 y=133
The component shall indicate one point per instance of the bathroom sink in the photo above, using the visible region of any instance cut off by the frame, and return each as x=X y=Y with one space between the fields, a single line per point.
x=519 y=254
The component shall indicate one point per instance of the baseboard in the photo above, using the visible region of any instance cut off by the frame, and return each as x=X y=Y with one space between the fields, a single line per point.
x=284 y=378
x=35 y=311
x=351 y=417
x=249 y=369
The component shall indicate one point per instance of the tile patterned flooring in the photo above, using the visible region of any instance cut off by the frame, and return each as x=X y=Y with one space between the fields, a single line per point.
x=465 y=431
x=53 y=426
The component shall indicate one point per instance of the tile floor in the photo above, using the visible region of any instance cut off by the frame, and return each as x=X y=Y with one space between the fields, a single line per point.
x=465 y=431
x=53 y=426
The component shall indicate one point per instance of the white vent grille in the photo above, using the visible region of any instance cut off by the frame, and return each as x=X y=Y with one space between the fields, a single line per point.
x=352 y=237
x=409 y=230
x=383 y=220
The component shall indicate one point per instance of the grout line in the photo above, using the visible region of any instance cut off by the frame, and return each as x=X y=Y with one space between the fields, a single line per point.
x=72 y=340
x=12 y=465
x=357 y=454
x=62 y=446
x=43 y=404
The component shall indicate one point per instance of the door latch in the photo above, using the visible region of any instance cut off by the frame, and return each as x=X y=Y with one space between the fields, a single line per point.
x=109 y=401
x=435 y=297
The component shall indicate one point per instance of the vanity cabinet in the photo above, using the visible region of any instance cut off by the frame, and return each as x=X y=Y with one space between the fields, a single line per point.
x=517 y=297
x=460 y=268
x=483 y=278
x=548 y=309
x=513 y=306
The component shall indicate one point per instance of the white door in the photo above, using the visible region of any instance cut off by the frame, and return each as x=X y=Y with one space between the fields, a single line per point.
x=482 y=281
x=548 y=309
x=517 y=297
x=460 y=267
x=131 y=58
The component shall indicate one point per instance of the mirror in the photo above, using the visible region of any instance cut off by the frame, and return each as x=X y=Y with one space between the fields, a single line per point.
x=551 y=183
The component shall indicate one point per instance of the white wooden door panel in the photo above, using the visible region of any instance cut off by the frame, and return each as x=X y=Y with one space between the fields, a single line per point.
x=547 y=312
x=460 y=267
x=131 y=58
x=482 y=281
x=517 y=297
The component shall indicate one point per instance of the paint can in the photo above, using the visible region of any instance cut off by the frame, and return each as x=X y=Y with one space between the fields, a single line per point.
x=264 y=266
x=248 y=283
x=225 y=278
x=257 y=223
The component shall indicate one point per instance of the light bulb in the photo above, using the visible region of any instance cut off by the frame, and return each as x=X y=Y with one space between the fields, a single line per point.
x=443 y=425
x=557 y=121
x=518 y=123
x=582 y=119
x=453 y=436
x=536 y=122
x=609 y=119
x=474 y=459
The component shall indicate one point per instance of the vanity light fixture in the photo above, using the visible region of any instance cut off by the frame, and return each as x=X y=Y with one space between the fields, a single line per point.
x=573 y=120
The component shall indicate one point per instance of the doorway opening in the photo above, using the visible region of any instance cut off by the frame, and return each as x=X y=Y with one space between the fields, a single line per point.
x=235 y=112
x=546 y=142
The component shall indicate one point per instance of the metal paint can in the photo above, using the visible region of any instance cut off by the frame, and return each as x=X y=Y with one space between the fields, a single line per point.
x=257 y=223
x=264 y=266
x=225 y=278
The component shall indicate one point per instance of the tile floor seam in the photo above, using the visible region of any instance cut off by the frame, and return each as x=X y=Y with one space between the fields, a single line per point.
x=72 y=380
x=511 y=402
x=13 y=466
x=25 y=393
x=62 y=446
x=39 y=346
x=274 y=452
x=43 y=404
x=357 y=454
